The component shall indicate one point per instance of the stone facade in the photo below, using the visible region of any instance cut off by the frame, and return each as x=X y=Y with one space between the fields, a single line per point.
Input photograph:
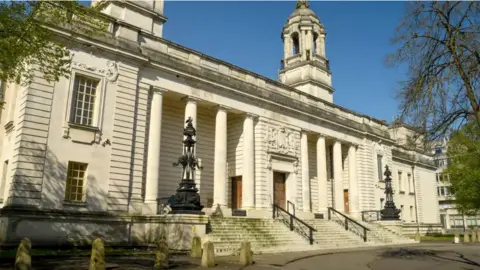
x=111 y=163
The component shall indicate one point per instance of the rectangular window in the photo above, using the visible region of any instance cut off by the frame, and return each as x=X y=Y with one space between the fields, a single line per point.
x=380 y=170
x=411 y=214
x=400 y=184
x=75 y=187
x=401 y=212
x=83 y=102
x=4 y=179
x=438 y=190
x=410 y=184
x=438 y=177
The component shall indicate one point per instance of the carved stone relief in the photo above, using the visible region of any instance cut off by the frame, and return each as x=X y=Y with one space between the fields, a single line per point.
x=281 y=140
x=110 y=72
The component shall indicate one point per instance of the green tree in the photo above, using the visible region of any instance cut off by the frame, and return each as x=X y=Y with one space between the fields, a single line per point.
x=464 y=167
x=439 y=42
x=26 y=39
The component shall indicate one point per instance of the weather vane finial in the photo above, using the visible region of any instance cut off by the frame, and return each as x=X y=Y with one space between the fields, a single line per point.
x=302 y=4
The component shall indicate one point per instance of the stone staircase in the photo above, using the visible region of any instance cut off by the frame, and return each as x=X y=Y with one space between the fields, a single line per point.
x=265 y=236
x=380 y=234
x=274 y=235
x=331 y=235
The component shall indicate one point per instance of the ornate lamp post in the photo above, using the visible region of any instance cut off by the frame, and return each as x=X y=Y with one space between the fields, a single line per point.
x=390 y=212
x=187 y=199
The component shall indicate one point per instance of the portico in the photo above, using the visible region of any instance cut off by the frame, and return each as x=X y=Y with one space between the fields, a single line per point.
x=304 y=168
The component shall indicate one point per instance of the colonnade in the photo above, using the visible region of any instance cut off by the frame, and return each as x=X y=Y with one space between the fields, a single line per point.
x=220 y=177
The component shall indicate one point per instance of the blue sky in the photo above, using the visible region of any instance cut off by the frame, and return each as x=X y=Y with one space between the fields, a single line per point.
x=247 y=34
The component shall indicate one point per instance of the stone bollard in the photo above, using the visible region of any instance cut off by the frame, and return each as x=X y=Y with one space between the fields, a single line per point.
x=208 y=256
x=196 y=251
x=246 y=254
x=466 y=238
x=23 y=260
x=456 y=238
x=474 y=236
x=97 y=259
x=161 y=255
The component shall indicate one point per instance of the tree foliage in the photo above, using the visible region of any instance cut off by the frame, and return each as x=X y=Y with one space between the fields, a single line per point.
x=464 y=167
x=26 y=39
x=440 y=43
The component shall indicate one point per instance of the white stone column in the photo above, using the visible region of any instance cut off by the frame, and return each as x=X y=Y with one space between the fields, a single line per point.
x=322 y=175
x=248 y=172
x=317 y=47
x=305 y=172
x=338 y=179
x=191 y=109
x=322 y=45
x=286 y=46
x=353 y=198
x=153 y=162
x=220 y=159
x=302 y=43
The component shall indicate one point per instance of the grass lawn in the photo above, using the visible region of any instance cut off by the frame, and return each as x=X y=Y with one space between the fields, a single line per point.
x=446 y=237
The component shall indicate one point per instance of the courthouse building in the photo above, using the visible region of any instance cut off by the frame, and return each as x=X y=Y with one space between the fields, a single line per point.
x=98 y=146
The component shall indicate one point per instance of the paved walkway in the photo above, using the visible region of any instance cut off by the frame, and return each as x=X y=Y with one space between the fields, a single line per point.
x=440 y=256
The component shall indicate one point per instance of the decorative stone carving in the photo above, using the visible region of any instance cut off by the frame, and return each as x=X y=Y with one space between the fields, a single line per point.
x=295 y=163
x=110 y=72
x=281 y=140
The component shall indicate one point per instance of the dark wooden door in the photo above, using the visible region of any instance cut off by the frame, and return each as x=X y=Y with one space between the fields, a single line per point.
x=279 y=189
x=345 y=199
x=237 y=192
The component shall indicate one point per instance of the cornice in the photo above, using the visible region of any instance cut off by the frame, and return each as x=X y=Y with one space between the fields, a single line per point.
x=173 y=65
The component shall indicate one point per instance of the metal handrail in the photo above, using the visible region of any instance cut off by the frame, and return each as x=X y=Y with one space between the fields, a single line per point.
x=291 y=220
x=347 y=220
x=288 y=207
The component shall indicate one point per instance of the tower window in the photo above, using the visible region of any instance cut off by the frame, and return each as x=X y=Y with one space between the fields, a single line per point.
x=296 y=44
x=315 y=38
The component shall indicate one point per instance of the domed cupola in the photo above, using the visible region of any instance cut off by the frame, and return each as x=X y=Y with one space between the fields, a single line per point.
x=305 y=65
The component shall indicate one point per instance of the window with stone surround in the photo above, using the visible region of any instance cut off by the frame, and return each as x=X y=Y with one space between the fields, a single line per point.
x=410 y=183
x=75 y=186
x=83 y=100
x=400 y=182
x=379 y=166
x=411 y=214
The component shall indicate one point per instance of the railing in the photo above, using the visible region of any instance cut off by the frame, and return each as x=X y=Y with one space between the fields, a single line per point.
x=348 y=223
x=370 y=215
x=289 y=203
x=292 y=220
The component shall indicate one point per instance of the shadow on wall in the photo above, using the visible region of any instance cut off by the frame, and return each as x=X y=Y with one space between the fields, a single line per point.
x=55 y=222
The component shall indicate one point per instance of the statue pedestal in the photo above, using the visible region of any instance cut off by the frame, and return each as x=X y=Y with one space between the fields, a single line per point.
x=393 y=225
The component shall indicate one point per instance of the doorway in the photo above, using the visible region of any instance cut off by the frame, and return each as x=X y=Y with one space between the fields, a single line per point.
x=279 y=194
x=237 y=192
x=345 y=199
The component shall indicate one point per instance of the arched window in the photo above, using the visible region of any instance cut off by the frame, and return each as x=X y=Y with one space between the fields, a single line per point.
x=315 y=37
x=296 y=44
